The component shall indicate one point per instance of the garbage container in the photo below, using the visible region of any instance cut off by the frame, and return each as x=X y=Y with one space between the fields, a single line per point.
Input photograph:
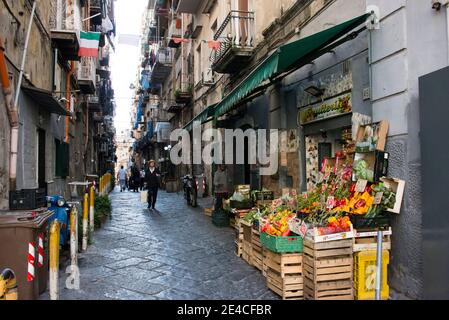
x=20 y=234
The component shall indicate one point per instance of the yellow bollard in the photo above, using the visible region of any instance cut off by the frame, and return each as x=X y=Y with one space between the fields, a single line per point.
x=54 y=260
x=74 y=236
x=100 y=187
x=91 y=211
x=85 y=221
x=8 y=285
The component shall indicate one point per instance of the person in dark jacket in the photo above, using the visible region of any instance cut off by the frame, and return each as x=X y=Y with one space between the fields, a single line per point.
x=152 y=178
x=136 y=178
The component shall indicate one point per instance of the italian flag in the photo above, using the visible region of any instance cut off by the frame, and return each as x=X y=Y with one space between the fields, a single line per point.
x=90 y=41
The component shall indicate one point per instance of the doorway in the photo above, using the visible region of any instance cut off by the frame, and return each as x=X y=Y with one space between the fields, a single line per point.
x=41 y=181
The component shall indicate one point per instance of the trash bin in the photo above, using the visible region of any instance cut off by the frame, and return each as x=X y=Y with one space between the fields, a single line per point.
x=20 y=234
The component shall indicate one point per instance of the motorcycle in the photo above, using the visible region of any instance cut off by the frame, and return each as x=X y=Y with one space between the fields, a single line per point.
x=190 y=190
x=61 y=211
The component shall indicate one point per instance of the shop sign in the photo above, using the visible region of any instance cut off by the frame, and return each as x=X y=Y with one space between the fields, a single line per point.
x=325 y=110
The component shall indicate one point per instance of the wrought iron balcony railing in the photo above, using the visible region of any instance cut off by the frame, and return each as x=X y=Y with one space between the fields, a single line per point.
x=236 y=33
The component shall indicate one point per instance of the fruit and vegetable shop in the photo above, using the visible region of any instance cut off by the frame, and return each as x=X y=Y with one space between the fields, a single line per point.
x=332 y=241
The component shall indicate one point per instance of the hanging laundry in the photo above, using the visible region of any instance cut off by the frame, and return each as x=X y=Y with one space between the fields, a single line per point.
x=179 y=40
x=214 y=45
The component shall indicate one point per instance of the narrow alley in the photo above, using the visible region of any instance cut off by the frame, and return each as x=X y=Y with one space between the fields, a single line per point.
x=176 y=253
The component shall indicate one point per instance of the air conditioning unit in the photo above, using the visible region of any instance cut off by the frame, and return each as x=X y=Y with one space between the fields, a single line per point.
x=208 y=77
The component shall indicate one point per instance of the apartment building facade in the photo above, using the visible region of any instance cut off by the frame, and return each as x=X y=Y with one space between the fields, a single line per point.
x=65 y=103
x=206 y=53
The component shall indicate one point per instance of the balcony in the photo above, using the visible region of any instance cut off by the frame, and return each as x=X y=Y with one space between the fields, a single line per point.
x=87 y=71
x=183 y=94
x=98 y=116
x=236 y=36
x=188 y=6
x=64 y=32
x=162 y=66
x=95 y=9
x=175 y=31
x=94 y=103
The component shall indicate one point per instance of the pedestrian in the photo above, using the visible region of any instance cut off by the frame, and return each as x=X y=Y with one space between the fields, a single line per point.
x=152 y=178
x=121 y=177
x=142 y=179
x=136 y=178
x=221 y=184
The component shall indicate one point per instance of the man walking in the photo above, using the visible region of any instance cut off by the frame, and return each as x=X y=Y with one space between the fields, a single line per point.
x=152 y=177
x=121 y=177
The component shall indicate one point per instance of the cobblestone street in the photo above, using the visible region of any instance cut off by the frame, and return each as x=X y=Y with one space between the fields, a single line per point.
x=174 y=254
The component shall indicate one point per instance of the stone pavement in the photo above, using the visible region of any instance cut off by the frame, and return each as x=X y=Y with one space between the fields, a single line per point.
x=176 y=253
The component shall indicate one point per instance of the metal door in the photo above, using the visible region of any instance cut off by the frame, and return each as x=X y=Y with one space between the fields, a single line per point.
x=434 y=118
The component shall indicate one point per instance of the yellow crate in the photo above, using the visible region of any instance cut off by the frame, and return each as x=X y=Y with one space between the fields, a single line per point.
x=365 y=275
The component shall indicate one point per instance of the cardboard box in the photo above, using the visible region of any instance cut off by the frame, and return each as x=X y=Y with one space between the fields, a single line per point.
x=398 y=187
x=377 y=163
x=372 y=137
x=313 y=235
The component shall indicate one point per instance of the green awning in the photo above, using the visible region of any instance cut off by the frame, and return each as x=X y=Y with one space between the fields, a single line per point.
x=286 y=58
x=202 y=117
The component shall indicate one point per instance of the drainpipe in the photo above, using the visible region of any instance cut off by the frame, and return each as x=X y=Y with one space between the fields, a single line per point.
x=6 y=85
x=68 y=96
x=15 y=111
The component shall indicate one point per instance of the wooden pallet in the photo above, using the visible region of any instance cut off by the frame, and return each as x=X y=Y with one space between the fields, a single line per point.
x=328 y=270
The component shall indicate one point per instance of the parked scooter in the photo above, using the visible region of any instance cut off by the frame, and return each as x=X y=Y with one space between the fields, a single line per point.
x=190 y=190
x=61 y=211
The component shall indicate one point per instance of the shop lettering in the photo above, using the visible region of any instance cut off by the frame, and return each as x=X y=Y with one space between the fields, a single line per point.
x=208 y=147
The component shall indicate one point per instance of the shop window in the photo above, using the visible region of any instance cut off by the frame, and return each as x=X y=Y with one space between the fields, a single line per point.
x=62 y=159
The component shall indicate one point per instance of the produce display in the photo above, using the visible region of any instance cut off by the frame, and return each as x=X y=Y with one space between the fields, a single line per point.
x=277 y=223
x=362 y=170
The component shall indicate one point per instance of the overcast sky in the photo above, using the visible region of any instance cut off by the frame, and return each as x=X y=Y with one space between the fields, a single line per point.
x=125 y=60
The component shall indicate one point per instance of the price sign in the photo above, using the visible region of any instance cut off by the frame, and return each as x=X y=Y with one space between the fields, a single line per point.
x=378 y=198
x=303 y=229
x=295 y=225
x=361 y=185
x=330 y=202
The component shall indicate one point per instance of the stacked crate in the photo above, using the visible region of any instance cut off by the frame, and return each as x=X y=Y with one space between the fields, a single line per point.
x=284 y=273
x=257 y=255
x=328 y=270
x=238 y=237
x=247 y=239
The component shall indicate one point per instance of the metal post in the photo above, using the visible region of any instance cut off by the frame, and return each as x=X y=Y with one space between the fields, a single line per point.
x=92 y=210
x=85 y=221
x=54 y=260
x=74 y=236
x=379 y=266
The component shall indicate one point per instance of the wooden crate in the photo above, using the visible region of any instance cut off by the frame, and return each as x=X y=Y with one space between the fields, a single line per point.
x=367 y=241
x=264 y=262
x=208 y=211
x=370 y=243
x=247 y=251
x=257 y=255
x=289 y=287
x=328 y=270
x=247 y=230
x=285 y=264
x=238 y=248
x=284 y=274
